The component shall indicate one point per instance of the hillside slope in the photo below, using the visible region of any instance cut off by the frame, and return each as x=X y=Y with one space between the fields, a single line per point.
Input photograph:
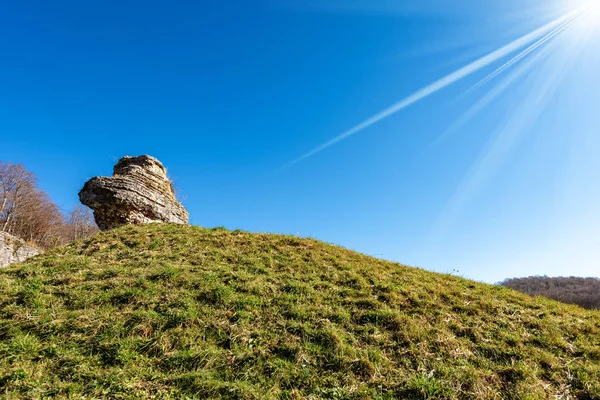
x=177 y=311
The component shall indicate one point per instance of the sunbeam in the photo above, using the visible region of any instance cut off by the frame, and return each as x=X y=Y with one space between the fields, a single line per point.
x=490 y=96
x=505 y=137
x=507 y=82
x=520 y=56
x=443 y=83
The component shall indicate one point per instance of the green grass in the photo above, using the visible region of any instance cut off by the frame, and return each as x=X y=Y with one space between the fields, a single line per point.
x=169 y=311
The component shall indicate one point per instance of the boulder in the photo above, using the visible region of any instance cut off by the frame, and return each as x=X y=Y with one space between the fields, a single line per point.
x=139 y=192
x=14 y=250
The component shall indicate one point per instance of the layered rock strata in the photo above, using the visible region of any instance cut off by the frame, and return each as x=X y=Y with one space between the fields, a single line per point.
x=139 y=192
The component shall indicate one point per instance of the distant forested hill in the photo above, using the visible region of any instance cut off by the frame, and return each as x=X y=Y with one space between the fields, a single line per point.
x=584 y=292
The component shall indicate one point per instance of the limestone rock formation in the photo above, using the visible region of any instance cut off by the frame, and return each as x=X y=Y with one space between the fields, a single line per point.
x=138 y=192
x=14 y=250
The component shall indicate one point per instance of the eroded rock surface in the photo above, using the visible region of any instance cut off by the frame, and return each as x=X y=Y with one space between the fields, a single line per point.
x=14 y=250
x=139 y=192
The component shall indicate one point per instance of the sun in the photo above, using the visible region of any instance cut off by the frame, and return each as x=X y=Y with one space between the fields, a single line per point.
x=573 y=4
x=590 y=9
x=587 y=20
x=594 y=9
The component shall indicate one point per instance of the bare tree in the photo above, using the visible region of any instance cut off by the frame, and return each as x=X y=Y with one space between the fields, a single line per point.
x=80 y=223
x=581 y=291
x=40 y=221
x=17 y=186
x=28 y=212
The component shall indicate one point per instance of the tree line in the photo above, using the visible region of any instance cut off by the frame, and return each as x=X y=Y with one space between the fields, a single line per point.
x=584 y=292
x=27 y=212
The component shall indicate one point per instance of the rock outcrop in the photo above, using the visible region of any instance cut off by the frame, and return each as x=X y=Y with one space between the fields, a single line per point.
x=139 y=192
x=14 y=250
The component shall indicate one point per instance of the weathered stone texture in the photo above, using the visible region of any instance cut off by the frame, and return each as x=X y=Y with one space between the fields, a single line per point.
x=138 y=192
x=14 y=250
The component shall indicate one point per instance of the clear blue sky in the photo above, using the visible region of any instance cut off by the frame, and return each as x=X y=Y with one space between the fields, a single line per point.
x=492 y=174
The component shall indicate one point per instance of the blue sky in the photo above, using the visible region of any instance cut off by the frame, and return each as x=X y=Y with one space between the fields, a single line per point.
x=489 y=176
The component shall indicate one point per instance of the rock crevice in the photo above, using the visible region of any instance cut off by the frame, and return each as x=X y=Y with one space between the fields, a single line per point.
x=138 y=192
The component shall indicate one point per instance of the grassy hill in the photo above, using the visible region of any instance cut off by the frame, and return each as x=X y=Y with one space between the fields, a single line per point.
x=171 y=311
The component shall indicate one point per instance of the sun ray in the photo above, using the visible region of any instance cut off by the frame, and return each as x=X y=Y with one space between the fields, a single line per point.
x=506 y=136
x=501 y=87
x=441 y=84
x=558 y=30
